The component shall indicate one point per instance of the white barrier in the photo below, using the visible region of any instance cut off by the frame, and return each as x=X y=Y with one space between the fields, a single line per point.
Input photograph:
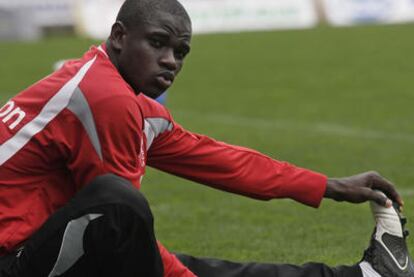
x=242 y=15
x=95 y=17
x=353 y=12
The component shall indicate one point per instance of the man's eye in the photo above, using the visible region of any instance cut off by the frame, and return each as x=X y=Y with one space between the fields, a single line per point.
x=156 y=43
x=180 y=54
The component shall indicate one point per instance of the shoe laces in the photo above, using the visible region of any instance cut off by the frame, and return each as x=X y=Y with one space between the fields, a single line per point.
x=406 y=233
x=403 y=220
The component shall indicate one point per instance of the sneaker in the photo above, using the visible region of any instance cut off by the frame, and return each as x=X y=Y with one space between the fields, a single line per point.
x=388 y=252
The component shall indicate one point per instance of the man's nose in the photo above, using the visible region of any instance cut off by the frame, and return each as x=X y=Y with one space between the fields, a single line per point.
x=168 y=60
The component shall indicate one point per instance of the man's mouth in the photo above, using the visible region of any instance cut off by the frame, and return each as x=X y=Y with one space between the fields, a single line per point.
x=165 y=79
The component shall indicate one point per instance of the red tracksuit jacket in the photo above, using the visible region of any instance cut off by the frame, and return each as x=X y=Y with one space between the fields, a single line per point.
x=84 y=120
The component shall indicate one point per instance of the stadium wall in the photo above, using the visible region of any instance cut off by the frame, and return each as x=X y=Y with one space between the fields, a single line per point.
x=43 y=13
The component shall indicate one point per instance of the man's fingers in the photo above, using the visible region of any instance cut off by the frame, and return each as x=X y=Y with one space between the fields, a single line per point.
x=377 y=196
x=387 y=187
x=380 y=198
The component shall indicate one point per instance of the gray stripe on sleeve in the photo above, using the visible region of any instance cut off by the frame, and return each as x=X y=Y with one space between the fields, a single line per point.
x=80 y=107
x=155 y=126
x=71 y=249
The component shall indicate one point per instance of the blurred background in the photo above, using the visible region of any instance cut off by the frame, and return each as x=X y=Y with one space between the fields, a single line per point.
x=32 y=19
x=324 y=84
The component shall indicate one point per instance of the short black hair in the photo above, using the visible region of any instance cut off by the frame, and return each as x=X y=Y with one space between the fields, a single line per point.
x=137 y=12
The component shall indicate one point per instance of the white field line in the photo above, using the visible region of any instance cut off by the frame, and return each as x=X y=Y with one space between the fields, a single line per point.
x=318 y=128
x=406 y=192
x=271 y=125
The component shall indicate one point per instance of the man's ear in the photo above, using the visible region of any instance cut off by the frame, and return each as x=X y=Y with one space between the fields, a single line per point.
x=117 y=37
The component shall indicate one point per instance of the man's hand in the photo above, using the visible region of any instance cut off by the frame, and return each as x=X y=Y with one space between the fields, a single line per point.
x=362 y=187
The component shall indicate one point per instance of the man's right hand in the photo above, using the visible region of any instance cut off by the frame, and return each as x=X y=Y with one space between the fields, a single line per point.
x=361 y=188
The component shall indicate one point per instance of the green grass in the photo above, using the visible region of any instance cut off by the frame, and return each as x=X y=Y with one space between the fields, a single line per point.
x=338 y=101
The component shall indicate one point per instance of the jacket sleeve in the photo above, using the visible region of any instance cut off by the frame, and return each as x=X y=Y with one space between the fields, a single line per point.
x=233 y=168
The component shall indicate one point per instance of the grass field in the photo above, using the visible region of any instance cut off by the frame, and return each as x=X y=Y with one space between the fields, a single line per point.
x=338 y=101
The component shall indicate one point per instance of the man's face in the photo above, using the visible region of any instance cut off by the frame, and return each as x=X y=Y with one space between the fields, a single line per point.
x=151 y=55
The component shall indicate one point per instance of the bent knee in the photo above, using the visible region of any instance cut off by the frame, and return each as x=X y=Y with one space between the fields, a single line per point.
x=112 y=189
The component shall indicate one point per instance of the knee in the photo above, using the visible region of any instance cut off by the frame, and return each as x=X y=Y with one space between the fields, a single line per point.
x=113 y=190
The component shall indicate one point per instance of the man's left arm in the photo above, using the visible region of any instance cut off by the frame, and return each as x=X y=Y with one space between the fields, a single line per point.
x=247 y=172
x=233 y=168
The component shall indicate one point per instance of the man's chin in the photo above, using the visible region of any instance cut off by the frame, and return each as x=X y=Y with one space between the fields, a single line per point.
x=153 y=94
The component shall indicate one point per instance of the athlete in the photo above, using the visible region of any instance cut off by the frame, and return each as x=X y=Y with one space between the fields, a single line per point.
x=73 y=152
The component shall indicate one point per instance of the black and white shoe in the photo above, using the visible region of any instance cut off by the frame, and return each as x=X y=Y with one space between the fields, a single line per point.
x=388 y=253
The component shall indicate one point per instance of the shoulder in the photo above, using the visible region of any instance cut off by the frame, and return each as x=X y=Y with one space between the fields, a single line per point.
x=105 y=92
x=156 y=118
x=152 y=109
x=104 y=83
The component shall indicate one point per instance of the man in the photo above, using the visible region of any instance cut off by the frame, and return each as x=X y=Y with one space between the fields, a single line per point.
x=73 y=150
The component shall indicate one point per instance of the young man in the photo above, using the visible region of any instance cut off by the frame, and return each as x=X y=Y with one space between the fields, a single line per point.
x=73 y=151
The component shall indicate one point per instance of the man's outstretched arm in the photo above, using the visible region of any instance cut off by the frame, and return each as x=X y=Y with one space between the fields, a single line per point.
x=247 y=172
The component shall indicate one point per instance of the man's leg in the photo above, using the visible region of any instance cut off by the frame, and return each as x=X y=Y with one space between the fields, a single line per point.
x=387 y=256
x=105 y=230
x=204 y=267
